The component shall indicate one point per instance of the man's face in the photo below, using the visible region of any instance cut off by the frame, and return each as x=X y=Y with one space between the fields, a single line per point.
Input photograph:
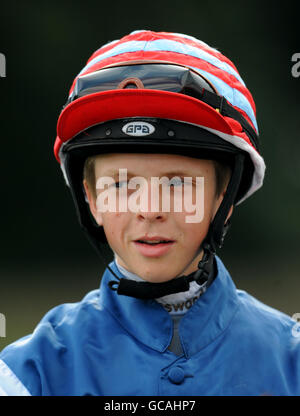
x=134 y=236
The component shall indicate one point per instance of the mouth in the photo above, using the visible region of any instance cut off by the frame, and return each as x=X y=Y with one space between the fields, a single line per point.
x=153 y=246
x=154 y=243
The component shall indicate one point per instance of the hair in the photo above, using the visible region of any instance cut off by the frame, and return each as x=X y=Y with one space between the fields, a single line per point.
x=222 y=172
x=89 y=174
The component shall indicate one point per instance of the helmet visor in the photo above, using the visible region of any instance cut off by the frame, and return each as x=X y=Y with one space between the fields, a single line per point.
x=163 y=77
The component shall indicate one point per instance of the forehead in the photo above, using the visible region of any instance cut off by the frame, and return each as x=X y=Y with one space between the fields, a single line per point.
x=145 y=163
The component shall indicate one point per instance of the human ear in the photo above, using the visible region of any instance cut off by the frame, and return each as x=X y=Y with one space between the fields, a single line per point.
x=231 y=208
x=92 y=203
x=218 y=203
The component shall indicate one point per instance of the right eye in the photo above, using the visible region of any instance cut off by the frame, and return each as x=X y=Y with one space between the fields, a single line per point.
x=121 y=184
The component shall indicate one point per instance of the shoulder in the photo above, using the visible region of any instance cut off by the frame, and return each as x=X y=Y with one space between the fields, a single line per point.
x=269 y=325
x=25 y=362
x=254 y=315
x=256 y=308
x=269 y=342
x=67 y=314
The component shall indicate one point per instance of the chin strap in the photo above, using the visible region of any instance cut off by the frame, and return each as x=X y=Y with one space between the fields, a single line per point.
x=204 y=276
x=147 y=290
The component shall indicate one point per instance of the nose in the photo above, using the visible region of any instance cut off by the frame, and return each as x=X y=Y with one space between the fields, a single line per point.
x=151 y=216
x=150 y=207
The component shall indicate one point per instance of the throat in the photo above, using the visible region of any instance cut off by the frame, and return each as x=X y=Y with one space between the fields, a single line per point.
x=176 y=304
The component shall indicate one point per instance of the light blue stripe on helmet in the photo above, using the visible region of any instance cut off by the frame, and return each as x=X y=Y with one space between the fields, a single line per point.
x=234 y=96
x=195 y=40
x=164 y=45
x=131 y=46
x=173 y=46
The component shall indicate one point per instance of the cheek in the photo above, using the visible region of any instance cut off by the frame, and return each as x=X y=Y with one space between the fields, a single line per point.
x=197 y=232
x=199 y=205
x=194 y=225
x=211 y=202
x=190 y=233
x=115 y=225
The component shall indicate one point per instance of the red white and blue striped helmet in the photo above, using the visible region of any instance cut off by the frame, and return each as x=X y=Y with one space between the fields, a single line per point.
x=193 y=97
x=98 y=105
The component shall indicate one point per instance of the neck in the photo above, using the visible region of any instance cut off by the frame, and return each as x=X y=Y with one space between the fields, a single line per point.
x=175 y=304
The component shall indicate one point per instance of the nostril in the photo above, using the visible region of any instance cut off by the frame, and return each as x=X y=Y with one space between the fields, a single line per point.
x=150 y=216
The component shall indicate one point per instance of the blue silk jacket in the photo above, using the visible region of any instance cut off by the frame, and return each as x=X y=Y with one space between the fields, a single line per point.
x=110 y=345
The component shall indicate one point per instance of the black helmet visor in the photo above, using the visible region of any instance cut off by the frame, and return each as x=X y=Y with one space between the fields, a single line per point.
x=159 y=76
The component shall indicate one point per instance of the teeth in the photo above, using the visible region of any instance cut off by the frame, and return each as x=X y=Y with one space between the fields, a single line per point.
x=153 y=241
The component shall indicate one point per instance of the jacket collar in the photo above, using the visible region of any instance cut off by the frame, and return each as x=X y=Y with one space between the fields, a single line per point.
x=151 y=324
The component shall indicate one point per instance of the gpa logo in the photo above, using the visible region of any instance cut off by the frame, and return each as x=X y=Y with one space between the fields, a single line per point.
x=138 y=128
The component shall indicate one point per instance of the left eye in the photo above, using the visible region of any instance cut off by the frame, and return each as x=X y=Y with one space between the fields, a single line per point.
x=176 y=182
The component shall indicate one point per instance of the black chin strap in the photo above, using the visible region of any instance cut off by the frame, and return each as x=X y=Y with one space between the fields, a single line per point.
x=146 y=290
x=205 y=275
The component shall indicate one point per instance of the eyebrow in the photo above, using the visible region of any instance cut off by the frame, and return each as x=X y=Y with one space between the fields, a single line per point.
x=115 y=173
x=178 y=173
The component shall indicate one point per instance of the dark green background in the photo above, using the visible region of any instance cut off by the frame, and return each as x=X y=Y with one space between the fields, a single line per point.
x=45 y=258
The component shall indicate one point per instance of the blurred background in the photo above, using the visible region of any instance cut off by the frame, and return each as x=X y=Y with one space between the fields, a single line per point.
x=45 y=258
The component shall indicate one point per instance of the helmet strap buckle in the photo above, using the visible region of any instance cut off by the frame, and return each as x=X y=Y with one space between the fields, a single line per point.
x=205 y=272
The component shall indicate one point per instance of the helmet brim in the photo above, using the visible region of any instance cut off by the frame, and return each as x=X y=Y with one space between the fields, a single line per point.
x=99 y=107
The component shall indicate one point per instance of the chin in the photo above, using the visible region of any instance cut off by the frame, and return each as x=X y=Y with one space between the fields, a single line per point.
x=157 y=277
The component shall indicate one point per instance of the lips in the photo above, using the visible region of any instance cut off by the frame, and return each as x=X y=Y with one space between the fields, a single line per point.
x=155 y=239
x=154 y=246
x=154 y=242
